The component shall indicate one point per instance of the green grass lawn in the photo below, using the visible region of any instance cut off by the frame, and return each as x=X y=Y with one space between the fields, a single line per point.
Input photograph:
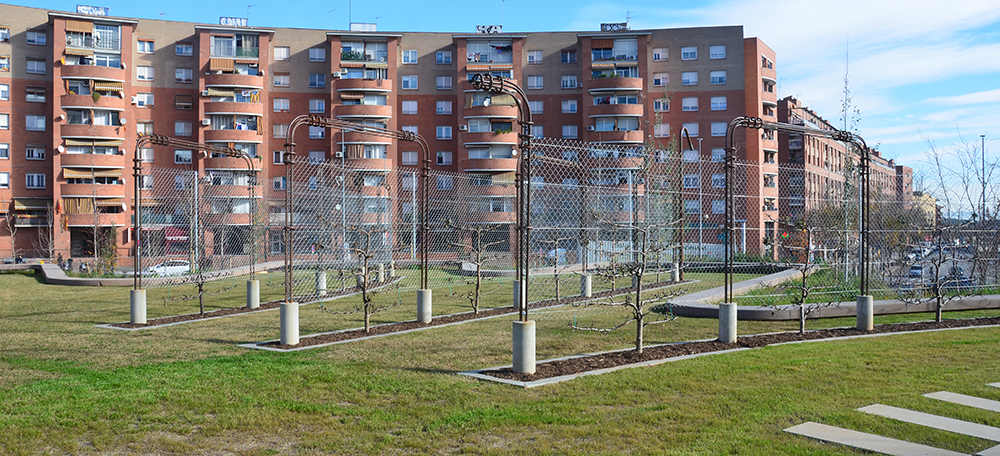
x=68 y=387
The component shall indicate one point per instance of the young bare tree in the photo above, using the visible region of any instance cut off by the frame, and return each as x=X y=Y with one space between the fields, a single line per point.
x=44 y=244
x=800 y=252
x=475 y=242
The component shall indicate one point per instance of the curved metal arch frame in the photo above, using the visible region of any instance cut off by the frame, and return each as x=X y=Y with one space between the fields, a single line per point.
x=837 y=135
x=163 y=140
x=327 y=122
x=499 y=85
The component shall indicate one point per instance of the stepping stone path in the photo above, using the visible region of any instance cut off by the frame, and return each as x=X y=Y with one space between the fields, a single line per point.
x=885 y=445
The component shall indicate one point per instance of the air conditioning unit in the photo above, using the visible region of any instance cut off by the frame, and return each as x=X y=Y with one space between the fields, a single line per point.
x=338 y=154
x=206 y=122
x=579 y=85
x=336 y=75
x=204 y=93
x=463 y=128
x=135 y=100
x=591 y=128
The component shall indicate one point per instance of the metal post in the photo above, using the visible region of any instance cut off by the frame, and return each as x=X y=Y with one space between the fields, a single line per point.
x=701 y=206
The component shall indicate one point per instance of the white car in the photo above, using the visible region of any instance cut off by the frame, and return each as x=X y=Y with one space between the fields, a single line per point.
x=169 y=268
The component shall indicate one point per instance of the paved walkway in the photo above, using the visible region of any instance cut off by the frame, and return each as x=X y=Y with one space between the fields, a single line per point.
x=54 y=275
x=885 y=445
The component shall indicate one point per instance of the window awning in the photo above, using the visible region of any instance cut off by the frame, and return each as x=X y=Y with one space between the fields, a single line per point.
x=602 y=44
x=146 y=202
x=183 y=99
x=219 y=92
x=477 y=68
x=222 y=35
x=27 y=204
x=73 y=25
x=602 y=66
x=175 y=234
x=108 y=202
x=504 y=178
x=108 y=173
x=349 y=64
x=99 y=143
x=109 y=86
x=221 y=64
x=246 y=62
x=376 y=65
x=502 y=66
x=626 y=64
x=70 y=173
x=80 y=52
x=352 y=96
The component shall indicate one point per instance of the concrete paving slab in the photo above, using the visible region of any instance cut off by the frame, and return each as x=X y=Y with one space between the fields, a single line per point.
x=994 y=451
x=865 y=441
x=962 y=399
x=933 y=421
x=995 y=385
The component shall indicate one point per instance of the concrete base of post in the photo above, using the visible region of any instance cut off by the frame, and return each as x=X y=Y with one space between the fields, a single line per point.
x=866 y=313
x=727 y=323
x=253 y=294
x=586 y=285
x=321 y=282
x=675 y=273
x=424 y=305
x=381 y=272
x=137 y=306
x=519 y=295
x=524 y=347
x=289 y=323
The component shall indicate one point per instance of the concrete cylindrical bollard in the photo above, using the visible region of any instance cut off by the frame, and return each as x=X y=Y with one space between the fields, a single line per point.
x=381 y=272
x=253 y=294
x=289 y=323
x=424 y=305
x=524 y=347
x=866 y=313
x=137 y=306
x=675 y=273
x=727 y=322
x=321 y=282
x=586 y=285
x=392 y=268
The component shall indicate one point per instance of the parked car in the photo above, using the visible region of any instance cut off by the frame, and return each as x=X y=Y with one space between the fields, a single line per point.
x=170 y=268
x=555 y=255
x=917 y=270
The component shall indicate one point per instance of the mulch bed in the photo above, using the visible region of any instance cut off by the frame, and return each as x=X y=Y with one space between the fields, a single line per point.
x=389 y=328
x=620 y=358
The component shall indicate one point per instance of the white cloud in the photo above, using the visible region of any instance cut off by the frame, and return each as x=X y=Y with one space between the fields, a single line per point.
x=988 y=96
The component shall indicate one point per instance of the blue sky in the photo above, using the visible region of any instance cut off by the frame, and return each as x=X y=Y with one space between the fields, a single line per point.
x=918 y=68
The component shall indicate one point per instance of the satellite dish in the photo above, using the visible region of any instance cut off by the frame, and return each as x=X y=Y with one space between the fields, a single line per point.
x=337 y=207
x=487 y=101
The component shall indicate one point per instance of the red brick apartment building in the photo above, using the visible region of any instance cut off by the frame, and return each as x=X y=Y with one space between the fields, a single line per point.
x=76 y=90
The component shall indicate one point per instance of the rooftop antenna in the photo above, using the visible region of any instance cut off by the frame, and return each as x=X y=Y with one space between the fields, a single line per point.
x=248 y=13
x=628 y=16
x=331 y=17
x=501 y=12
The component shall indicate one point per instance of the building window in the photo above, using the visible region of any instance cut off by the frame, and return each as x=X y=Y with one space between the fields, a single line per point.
x=281 y=104
x=443 y=132
x=689 y=53
x=34 y=152
x=570 y=155
x=569 y=106
x=444 y=183
x=144 y=100
x=691 y=156
x=146 y=155
x=182 y=128
x=410 y=82
x=144 y=73
x=408 y=106
x=443 y=107
x=719 y=128
x=661 y=79
x=661 y=105
x=689 y=78
x=660 y=54
x=316 y=105
x=317 y=132
x=770 y=180
x=569 y=56
x=770 y=204
x=718 y=180
x=280 y=130
x=718 y=77
x=718 y=206
x=770 y=156
x=692 y=128
x=144 y=127
x=768 y=110
x=661 y=130
x=534 y=57
x=4 y=34
x=692 y=181
x=443 y=82
x=35 y=95
x=278 y=183
x=316 y=157
x=4 y=63
x=718 y=155
x=182 y=156
x=535 y=82
x=34 y=180
x=36 y=37
x=410 y=56
x=568 y=81
x=278 y=157
x=689 y=104
x=692 y=207
x=410 y=128
x=570 y=131
x=538 y=131
x=444 y=158
x=282 y=79
x=183 y=75
x=719 y=103
x=145 y=47
x=4 y=92
x=184 y=102
x=317 y=80
x=317 y=54
x=4 y=180
x=282 y=53
x=35 y=66
x=4 y=151
x=183 y=49
x=443 y=58
x=4 y=121
x=536 y=106
x=409 y=158
x=717 y=52
x=34 y=123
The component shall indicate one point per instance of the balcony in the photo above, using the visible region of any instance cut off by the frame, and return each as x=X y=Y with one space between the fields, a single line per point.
x=490 y=137
x=232 y=107
x=91 y=131
x=226 y=219
x=622 y=137
x=255 y=81
x=230 y=163
x=239 y=52
x=92 y=161
x=93 y=72
x=93 y=190
x=363 y=85
x=119 y=219
x=105 y=102
x=494 y=111
x=635 y=110
x=616 y=163
x=355 y=137
x=489 y=164
x=366 y=111
x=369 y=164
x=31 y=220
x=494 y=217
x=613 y=84
x=249 y=136
x=466 y=85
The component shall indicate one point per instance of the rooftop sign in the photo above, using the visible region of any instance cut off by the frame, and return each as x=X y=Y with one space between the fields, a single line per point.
x=489 y=29
x=92 y=10
x=233 y=21
x=615 y=27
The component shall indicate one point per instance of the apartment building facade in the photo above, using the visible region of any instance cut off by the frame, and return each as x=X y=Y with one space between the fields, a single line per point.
x=80 y=89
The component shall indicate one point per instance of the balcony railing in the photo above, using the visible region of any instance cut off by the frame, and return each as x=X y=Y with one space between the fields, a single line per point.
x=354 y=56
x=96 y=42
x=230 y=51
